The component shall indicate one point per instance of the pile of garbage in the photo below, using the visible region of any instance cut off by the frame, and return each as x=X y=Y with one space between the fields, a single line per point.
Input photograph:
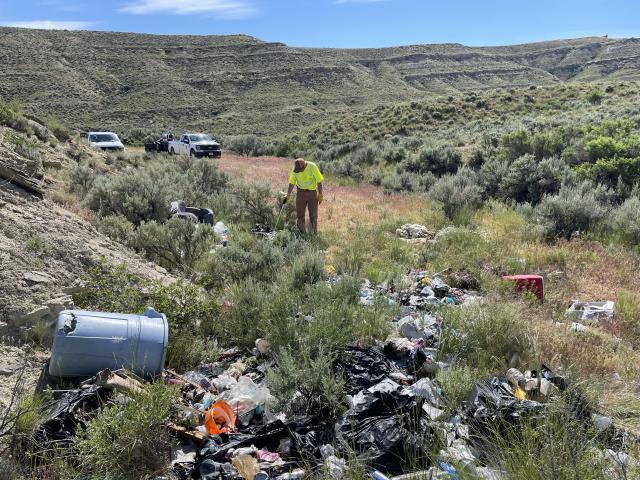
x=413 y=233
x=418 y=290
x=396 y=415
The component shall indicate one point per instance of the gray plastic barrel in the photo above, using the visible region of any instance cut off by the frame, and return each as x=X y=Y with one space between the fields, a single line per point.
x=88 y=342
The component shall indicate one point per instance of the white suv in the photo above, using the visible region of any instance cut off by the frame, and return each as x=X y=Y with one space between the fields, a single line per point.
x=105 y=141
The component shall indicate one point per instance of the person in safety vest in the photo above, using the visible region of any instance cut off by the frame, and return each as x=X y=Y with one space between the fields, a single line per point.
x=307 y=178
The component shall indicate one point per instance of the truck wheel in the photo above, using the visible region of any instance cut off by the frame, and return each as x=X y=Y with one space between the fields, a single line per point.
x=172 y=151
x=192 y=153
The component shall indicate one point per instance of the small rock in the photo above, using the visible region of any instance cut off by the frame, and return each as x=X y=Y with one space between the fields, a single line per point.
x=37 y=277
x=57 y=305
x=36 y=314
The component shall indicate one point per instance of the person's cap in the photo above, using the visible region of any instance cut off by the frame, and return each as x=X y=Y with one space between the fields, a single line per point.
x=299 y=165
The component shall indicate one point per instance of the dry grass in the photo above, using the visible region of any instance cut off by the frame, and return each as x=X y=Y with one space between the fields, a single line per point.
x=344 y=207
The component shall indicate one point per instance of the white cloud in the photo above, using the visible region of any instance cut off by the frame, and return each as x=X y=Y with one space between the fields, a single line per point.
x=50 y=24
x=225 y=8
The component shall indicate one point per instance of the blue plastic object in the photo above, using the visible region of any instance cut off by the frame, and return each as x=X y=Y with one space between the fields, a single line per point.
x=88 y=342
x=379 y=476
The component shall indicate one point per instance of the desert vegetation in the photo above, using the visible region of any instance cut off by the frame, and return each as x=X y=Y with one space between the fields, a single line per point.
x=550 y=189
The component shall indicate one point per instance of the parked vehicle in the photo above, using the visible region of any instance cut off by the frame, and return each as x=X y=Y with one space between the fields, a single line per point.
x=105 y=141
x=160 y=145
x=195 y=145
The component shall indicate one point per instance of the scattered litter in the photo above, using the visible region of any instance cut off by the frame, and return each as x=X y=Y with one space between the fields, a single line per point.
x=263 y=231
x=578 y=327
x=222 y=231
x=592 y=311
x=528 y=283
x=179 y=209
x=413 y=233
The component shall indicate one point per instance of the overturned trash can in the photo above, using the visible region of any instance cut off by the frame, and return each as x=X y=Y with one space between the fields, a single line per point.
x=88 y=342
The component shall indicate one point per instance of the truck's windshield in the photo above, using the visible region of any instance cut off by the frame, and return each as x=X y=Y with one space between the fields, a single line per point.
x=103 y=137
x=200 y=138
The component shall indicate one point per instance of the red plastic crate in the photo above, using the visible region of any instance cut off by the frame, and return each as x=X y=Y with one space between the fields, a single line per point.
x=532 y=283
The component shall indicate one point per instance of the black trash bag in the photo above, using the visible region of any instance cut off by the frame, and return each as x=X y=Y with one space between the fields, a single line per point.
x=381 y=404
x=386 y=430
x=306 y=435
x=211 y=470
x=361 y=367
x=410 y=360
x=494 y=399
x=66 y=416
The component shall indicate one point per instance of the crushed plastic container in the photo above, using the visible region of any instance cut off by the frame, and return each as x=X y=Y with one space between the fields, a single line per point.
x=88 y=342
x=531 y=283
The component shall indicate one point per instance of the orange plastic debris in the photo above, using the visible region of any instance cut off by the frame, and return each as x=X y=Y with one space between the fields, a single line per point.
x=220 y=418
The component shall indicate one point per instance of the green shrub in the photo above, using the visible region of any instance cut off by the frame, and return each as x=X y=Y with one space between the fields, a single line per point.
x=307 y=269
x=245 y=257
x=8 y=112
x=573 y=209
x=457 y=192
x=488 y=337
x=176 y=244
x=110 y=288
x=595 y=96
x=203 y=179
x=604 y=147
x=253 y=203
x=626 y=221
x=81 y=179
x=306 y=385
x=29 y=412
x=118 y=228
x=61 y=132
x=37 y=243
x=137 y=197
x=244 y=323
x=436 y=160
x=609 y=171
x=248 y=145
x=128 y=441
x=516 y=144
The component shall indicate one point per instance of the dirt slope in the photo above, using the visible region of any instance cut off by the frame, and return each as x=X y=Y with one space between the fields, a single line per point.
x=45 y=248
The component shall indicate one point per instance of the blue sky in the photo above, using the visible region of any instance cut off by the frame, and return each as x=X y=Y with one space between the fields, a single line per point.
x=340 y=23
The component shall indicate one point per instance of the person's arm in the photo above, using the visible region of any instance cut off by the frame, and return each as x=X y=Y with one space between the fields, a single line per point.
x=292 y=184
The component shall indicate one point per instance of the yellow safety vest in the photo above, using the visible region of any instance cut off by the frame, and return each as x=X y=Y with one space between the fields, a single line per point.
x=307 y=179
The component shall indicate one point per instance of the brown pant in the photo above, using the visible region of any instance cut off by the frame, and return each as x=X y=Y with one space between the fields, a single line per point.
x=304 y=199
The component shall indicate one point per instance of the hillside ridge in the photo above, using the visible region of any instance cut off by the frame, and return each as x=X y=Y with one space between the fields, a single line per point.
x=240 y=84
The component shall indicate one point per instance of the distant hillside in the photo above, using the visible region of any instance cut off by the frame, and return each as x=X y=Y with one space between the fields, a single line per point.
x=238 y=84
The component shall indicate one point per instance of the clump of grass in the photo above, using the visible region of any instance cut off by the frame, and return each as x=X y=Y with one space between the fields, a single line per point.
x=29 y=412
x=308 y=269
x=305 y=383
x=36 y=243
x=457 y=382
x=130 y=441
x=491 y=336
x=628 y=315
x=559 y=444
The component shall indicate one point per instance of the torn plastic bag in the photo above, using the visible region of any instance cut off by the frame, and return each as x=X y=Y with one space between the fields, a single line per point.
x=305 y=435
x=387 y=442
x=494 y=399
x=407 y=355
x=385 y=428
x=67 y=414
x=361 y=367
x=210 y=470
